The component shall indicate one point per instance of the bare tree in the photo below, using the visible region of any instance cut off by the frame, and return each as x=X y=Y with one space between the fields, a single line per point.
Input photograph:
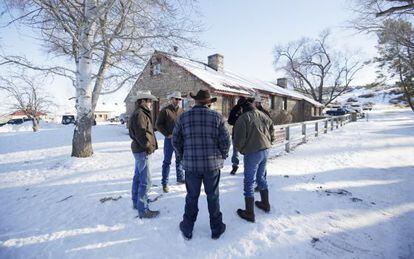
x=391 y=21
x=383 y=8
x=396 y=54
x=316 y=69
x=107 y=40
x=27 y=96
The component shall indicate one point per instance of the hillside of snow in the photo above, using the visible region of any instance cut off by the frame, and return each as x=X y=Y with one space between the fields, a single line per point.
x=345 y=194
x=380 y=96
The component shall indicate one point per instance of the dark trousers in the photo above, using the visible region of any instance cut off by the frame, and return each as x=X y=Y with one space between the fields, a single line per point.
x=168 y=152
x=193 y=182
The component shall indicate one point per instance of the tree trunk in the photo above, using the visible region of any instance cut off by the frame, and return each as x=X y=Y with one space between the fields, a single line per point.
x=409 y=100
x=35 y=124
x=82 y=139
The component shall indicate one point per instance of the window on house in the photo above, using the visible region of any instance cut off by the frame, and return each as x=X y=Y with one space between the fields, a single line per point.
x=271 y=102
x=225 y=108
x=187 y=103
x=156 y=70
x=156 y=67
x=285 y=104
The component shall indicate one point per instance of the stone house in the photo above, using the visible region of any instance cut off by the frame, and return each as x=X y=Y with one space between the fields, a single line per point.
x=166 y=72
x=107 y=110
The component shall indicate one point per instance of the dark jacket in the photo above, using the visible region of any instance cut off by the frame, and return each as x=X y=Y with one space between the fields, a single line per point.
x=253 y=132
x=141 y=131
x=166 y=119
x=201 y=139
x=235 y=113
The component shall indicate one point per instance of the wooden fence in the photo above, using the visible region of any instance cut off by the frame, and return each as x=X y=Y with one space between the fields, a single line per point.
x=285 y=134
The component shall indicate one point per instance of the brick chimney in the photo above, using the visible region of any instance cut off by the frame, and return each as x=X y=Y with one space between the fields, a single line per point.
x=282 y=82
x=216 y=62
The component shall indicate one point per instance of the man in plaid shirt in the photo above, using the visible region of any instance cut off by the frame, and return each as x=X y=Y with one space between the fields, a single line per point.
x=202 y=142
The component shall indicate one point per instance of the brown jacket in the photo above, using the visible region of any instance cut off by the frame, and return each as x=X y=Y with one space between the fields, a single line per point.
x=253 y=131
x=141 y=131
x=167 y=118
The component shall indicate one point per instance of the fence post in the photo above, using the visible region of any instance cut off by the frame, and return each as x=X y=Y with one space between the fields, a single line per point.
x=316 y=129
x=337 y=122
x=332 y=122
x=341 y=120
x=287 y=145
x=303 y=133
x=325 y=127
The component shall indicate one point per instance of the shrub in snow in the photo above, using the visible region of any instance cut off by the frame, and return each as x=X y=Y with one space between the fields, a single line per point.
x=369 y=95
x=283 y=117
x=352 y=99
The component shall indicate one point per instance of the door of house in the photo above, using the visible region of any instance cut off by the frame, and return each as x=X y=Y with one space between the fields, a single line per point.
x=227 y=105
x=155 y=111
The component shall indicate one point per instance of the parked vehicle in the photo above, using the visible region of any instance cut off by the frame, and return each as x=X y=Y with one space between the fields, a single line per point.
x=337 y=112
x=356 y=107
x=123 y=118
x=367 y=106
x=68 y=119
x=114 y=119
x=16 y=121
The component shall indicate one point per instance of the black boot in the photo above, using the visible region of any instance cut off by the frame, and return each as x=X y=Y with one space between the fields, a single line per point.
x=220 y=232
x=264 y=203
x=187 y=236
x=247 y=214
x=149 y=214
x=234 y=170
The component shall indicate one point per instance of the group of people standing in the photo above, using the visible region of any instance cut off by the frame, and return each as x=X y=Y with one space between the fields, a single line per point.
x=201 y=142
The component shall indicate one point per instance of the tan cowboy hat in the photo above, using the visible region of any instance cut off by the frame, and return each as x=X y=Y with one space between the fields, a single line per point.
x=143 y=95
x=203 y=96
x=257 y=98
x=175 y=94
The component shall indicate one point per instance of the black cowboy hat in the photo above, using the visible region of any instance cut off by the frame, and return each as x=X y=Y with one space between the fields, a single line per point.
x=203 y=96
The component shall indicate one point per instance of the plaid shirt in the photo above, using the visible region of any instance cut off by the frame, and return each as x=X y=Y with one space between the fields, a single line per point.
x=201 y=139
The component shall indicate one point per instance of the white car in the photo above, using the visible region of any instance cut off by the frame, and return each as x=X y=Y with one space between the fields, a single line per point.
x=356 y=107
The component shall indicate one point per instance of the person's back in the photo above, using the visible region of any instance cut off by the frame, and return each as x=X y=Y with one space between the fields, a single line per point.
x=254 y=132
x=204 y=138
x=201 y=139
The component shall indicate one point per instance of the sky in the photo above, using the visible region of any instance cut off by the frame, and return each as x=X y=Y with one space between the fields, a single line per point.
x=244 y=32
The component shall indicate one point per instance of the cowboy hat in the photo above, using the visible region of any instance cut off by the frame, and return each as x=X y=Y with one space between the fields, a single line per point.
x=203 y=96
x=143 y=95
x=257 y=98
x=175 y=94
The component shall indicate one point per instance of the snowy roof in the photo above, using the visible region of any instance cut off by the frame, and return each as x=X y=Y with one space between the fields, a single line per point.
x=227 y=81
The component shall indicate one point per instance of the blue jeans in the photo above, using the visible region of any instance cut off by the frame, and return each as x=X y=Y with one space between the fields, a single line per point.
x=235 y=156
x=168 y=151
x=141 y=182
x=193 y=182
x=255 y=163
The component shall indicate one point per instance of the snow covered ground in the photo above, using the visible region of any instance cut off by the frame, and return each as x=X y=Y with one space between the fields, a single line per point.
x=346 y=194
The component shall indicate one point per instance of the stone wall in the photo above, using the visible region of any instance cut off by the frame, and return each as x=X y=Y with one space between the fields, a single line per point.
x=296 y=109
x=171 y=78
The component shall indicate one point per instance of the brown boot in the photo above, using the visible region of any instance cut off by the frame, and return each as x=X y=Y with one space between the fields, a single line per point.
x=264 y=203
x=247 y=214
